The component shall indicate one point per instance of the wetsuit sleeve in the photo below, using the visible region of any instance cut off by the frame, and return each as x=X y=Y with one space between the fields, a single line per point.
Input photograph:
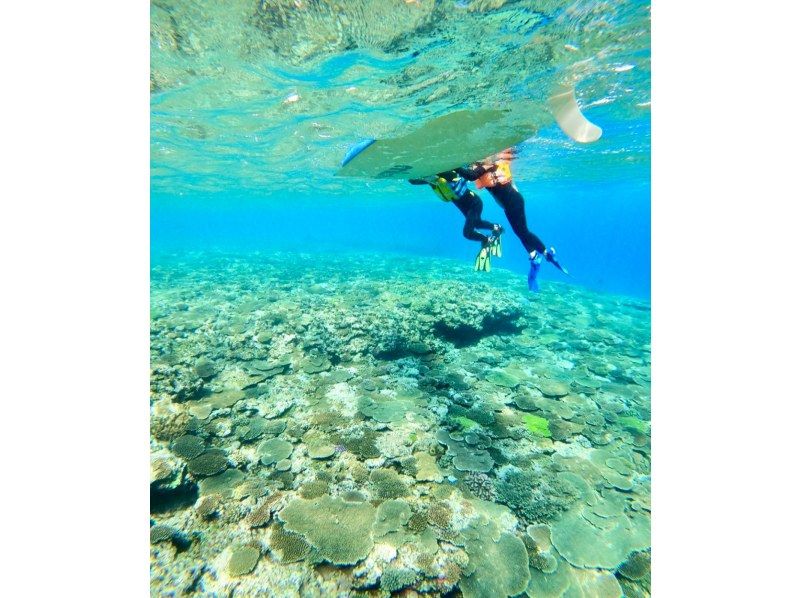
x=417 y=182
x=474 y=172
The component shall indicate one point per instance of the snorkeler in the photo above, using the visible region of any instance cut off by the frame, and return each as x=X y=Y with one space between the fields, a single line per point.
x=494 y=174
x=451 y=187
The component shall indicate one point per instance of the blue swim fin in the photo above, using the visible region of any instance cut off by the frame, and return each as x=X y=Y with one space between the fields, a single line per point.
x=536 y=263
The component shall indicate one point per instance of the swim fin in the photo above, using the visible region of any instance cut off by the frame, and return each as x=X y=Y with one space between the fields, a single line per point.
x=550 y=254
x=495 y=246
x=533 y=273
x=483 y=260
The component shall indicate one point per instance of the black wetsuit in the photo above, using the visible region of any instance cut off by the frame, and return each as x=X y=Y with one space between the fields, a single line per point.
x=470 y=205
x=513 y=204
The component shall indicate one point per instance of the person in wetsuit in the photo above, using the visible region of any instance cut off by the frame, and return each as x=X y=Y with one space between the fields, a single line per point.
x=494 y=174
x=451 y=187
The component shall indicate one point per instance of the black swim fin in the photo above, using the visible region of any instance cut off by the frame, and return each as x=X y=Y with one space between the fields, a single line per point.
x=550 y=254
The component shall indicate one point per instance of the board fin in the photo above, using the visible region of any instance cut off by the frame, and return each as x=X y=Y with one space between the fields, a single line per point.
x=570 y=118
x=357 y=149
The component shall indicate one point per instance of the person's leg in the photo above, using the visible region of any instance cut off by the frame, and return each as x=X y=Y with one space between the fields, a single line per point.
x=513 y=205
x=476 y=214
x=471 y=206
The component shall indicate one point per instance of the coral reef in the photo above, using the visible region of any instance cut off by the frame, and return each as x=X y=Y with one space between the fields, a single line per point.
x=496 y=568
x=313 y=489
x=536 y=425
x=567 y=580
x=395 y=579
x=205 y=368
x=634 y=424
x=169 y=426
x=340 y=531
x=387 y=483
x=188 y=446
x=636 y=567
x=465 y=456
x=481 y=485
x=207 y=507
x=261 y=514
x=533 y=497
x=391 y=516
x=321 y=451
x=161 y=533
x=426 y=468
x=273 y=450
x=243 y=560
x=223 y=484
x=418 y=522
x=370 y=432
x=604 y=544
x=208 y=463
x=288 y=547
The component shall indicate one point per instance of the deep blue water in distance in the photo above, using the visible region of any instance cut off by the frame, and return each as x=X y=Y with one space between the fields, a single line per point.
x=601 y=230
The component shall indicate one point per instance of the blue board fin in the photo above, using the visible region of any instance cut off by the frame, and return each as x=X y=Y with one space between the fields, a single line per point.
x=357 y=149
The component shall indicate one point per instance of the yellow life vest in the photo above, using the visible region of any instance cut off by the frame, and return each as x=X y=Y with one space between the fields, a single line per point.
x=501 y=175
x=449 y=190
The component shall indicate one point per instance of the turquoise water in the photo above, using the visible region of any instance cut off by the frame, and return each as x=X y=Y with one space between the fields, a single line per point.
x=340 y=405
x=601 y=230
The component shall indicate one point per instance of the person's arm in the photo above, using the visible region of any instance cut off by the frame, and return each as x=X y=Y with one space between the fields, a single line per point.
x=417 y=182
x=475 y=171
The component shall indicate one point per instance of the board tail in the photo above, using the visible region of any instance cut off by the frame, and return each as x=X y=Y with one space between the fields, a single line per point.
x=570 y=118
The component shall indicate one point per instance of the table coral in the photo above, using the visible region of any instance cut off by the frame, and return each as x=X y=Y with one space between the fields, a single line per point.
x=341 y=531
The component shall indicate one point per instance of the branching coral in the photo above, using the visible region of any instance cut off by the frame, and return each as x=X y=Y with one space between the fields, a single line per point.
x=418 y=523
x=440 y=515
x=262 y=513
x=287 y=546
x=313 y=489
x=533 y=498
x=395 y=579
x=481 y=485
x=387 y=483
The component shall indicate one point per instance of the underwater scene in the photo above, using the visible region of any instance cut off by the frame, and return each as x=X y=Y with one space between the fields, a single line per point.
x=357 y=389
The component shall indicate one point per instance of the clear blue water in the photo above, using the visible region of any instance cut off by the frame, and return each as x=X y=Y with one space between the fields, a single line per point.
x=600 y=229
